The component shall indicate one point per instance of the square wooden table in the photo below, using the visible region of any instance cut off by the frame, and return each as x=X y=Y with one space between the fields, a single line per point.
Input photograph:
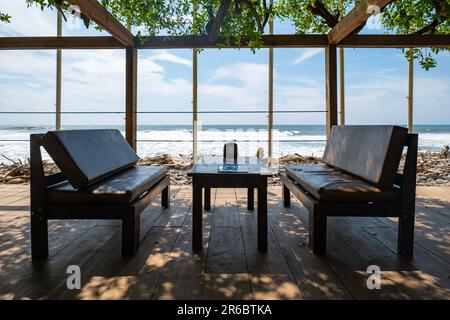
x=207 y=176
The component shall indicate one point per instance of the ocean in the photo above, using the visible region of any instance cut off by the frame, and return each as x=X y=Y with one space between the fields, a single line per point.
x=177 y=139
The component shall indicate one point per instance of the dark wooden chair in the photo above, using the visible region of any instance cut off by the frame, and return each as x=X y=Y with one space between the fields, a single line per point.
x=359 y=176
x=98 y=180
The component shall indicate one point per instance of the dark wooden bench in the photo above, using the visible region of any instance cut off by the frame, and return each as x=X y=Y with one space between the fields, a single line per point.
x=359 y=176
x=99 y=179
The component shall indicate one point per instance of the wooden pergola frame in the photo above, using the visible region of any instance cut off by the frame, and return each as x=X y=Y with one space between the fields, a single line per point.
x=121 y=38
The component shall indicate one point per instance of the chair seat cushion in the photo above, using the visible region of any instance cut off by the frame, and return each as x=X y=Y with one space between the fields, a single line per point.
x=122 y=188
x=331 y=185
x=321 y=167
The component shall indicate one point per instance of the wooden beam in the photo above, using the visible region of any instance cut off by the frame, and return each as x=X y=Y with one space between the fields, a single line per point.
x=44 y=43
x=96 y=12
x=355 y=18
x=396 y=41
x=202 y=42
x=331 y=87
x=131 y=96
x=187 y=42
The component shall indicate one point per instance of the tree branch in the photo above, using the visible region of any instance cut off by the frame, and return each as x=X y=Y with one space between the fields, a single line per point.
x=439 y=17
x=431 y=28
x=255 y=15
x=318 y=8
x=213 y=34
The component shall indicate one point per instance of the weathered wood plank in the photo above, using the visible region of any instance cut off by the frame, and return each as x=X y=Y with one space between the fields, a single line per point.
x=15 y=256
x=165 y=268
x=66 y=42
x=315 y=278
x=355 y=18
x=395 y=41
x=431 y=234
x=331 y=87
x=187 y=42
x=227 y=287
x=96 y=12
x=150 y=274
x=224 y=212
x=202 y=42
x=107 y=267
x=226 y=251
x=435 y=271
x=184 y=276
x=270 y=269
x=347 y=262
x=51 y=276
x=131 y=74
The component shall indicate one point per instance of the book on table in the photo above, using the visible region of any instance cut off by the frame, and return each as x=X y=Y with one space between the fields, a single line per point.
x=232 y=168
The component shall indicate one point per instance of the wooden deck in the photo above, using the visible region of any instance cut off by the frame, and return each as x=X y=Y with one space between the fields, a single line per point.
x=230 y=266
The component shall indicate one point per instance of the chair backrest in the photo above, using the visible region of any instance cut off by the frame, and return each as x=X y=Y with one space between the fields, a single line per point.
x=87 y=156
x=369 y=152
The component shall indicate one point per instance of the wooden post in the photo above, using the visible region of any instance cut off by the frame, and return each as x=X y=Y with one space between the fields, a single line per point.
x=331 y=86
x=131 y=96
x=410 y=89
x=194 y=106
x=270 y=123
x=58 y=76
x=341 y=87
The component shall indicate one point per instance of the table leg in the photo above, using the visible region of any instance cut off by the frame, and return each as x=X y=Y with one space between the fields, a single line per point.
x=207 y=198
x=197 y=243
x=250 y=199
x=262 y=217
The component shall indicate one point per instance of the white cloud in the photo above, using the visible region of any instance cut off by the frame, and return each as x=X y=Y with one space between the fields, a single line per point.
x=26 y=63
x=249 y=75
x=27 y=21
x=382 y=99
x=163 y=55
x=307 y=54
x=93 y=80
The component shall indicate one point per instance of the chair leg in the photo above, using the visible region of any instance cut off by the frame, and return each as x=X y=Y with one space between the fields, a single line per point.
x=405 y=242
x=165 y=197
x=130 y=233
x=39 y=238
x=317 y=232
x=286 y=196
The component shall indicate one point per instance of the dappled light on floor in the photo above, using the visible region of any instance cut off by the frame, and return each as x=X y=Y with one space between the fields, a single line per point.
x=230 y=265
x=101 y=288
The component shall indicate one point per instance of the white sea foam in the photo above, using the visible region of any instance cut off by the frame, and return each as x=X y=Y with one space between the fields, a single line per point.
x=178 y=140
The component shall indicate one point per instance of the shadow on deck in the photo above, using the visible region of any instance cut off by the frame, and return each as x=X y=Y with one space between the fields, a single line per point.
x=230 y=266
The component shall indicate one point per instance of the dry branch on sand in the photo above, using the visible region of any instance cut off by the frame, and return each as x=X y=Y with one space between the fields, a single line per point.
x=433 y=168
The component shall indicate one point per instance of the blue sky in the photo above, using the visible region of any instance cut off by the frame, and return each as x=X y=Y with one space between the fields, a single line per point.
x=376 y=81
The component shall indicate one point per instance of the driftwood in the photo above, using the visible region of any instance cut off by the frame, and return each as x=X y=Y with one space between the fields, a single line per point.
x=433 y=168
x=17 y=172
